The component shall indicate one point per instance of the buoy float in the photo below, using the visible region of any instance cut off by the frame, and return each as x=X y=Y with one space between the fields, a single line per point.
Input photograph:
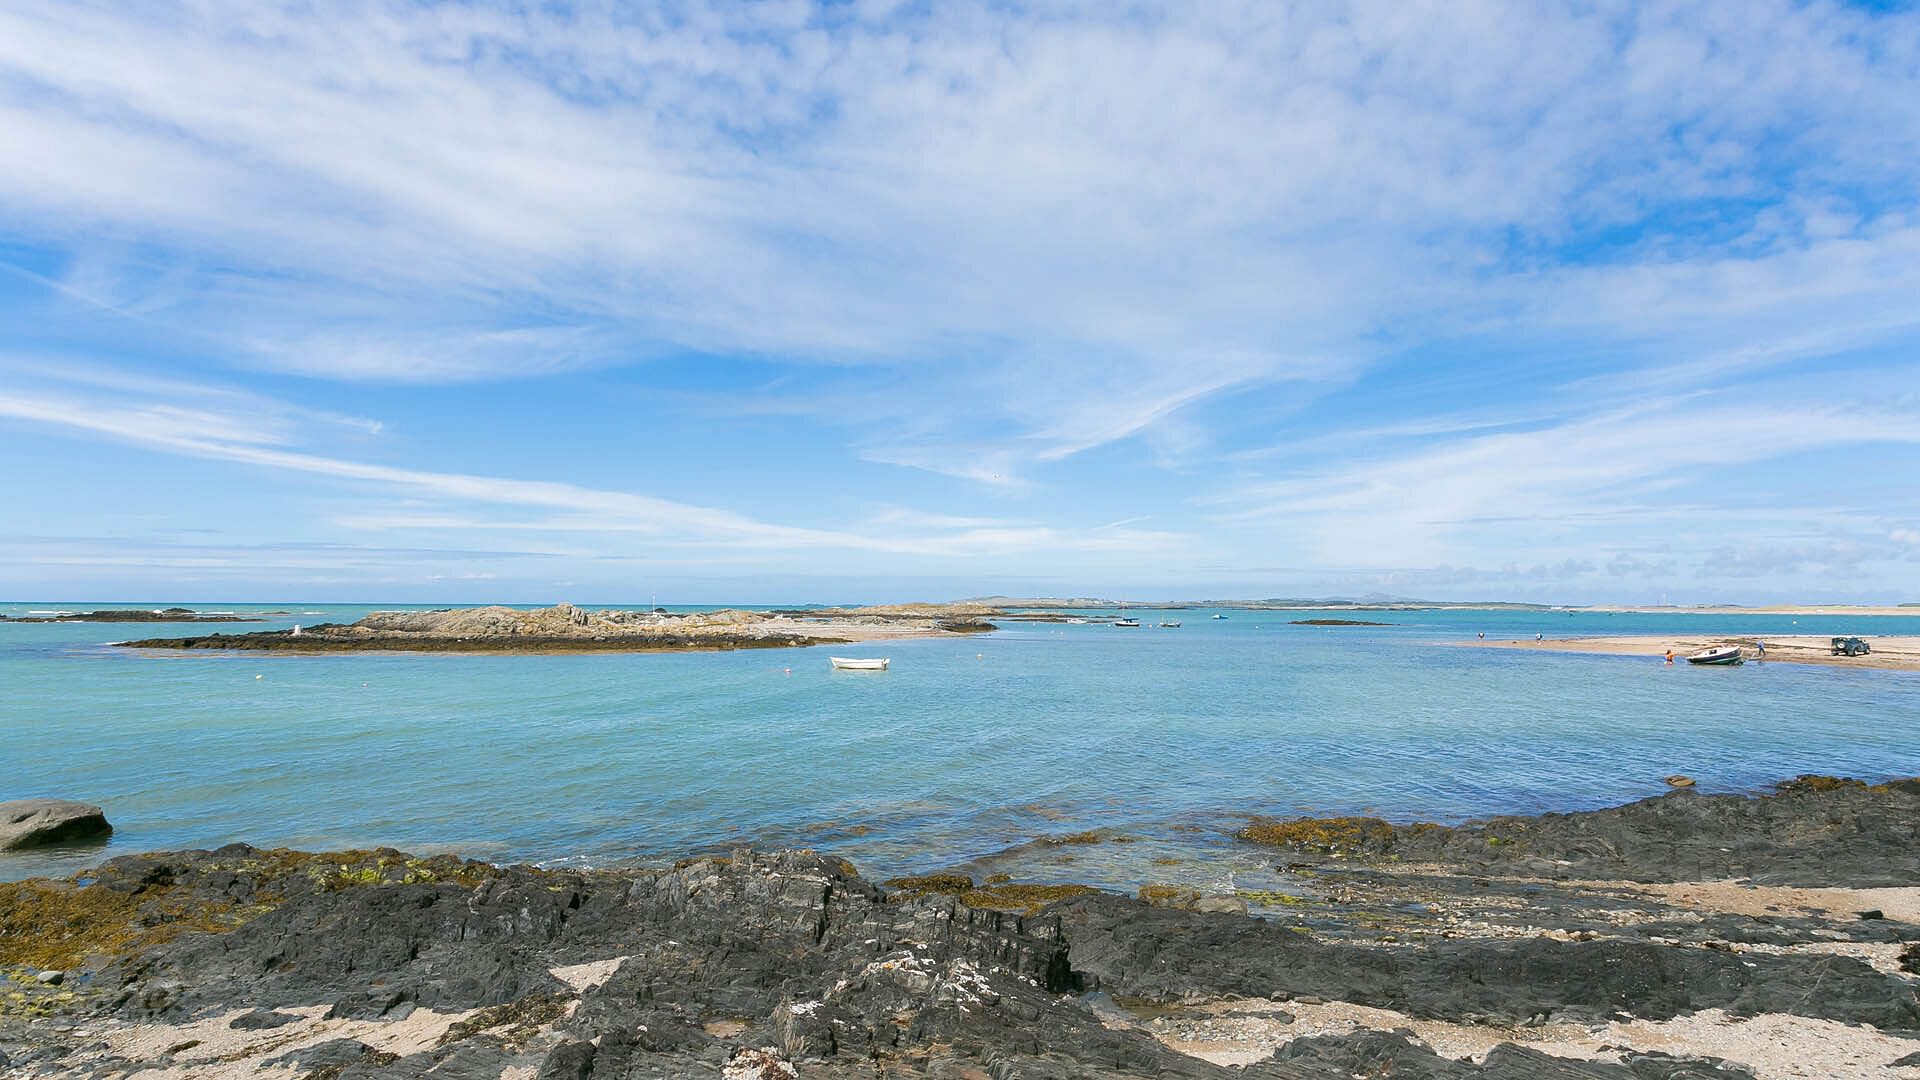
x=259 y=676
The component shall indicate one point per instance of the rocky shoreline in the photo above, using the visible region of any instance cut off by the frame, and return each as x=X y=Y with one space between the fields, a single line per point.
x=1685 y=936
x=565 y=628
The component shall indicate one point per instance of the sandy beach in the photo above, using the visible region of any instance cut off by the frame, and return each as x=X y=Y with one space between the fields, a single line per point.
x=1769 y=609
x=1890 y=653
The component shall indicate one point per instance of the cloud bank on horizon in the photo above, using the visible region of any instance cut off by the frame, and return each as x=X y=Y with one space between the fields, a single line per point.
x=1596 y=302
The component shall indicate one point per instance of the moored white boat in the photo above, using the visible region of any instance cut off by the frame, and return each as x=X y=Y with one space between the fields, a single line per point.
x=851 y=663
x=1171 y=624
x=1126 y=622
x=1725 y=654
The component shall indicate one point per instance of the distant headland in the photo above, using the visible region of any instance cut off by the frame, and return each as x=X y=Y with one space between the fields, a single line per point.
x=125 y=615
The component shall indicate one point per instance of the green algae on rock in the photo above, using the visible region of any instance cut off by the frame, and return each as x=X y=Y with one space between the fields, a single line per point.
x=136 y=902
x=928 y=885
x=1022 y=899
x=997 y=894
x=1326 y=836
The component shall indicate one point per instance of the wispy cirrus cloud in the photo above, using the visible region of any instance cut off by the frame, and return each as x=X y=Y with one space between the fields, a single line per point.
x=1186 y=197
x=265 y=440
x=1370 y=284
x=1603 y=473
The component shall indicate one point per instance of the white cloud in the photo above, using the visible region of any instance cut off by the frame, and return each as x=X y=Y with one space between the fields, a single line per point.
x=1113 y=213
x=454 y=498
x=986 y=242
x=1524 y=488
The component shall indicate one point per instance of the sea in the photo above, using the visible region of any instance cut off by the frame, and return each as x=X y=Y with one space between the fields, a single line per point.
x=1148 y=748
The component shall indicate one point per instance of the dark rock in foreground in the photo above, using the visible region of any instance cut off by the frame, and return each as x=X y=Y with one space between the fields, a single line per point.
x=771 y=966
x=28 y=823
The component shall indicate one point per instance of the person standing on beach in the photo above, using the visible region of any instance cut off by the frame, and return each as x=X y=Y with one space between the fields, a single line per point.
x=1669 y=657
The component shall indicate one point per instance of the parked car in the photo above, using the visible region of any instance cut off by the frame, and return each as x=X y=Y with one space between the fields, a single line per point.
x=1850 y=646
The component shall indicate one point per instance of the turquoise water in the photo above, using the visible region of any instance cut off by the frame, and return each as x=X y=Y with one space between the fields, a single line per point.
x=965 y=748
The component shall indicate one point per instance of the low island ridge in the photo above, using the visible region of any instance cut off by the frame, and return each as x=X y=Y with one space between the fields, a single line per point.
x=566 y=628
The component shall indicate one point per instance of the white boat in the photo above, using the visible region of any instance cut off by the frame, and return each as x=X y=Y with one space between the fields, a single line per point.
x=849 y=663
x=1170 y=625
x=1126 y=622
x=1219 y=616
x=1725 y=654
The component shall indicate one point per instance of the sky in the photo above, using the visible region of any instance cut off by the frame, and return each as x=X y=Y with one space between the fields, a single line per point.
x=1594 y=302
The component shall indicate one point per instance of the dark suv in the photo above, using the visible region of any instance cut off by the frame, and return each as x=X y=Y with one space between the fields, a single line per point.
x=1850 y=646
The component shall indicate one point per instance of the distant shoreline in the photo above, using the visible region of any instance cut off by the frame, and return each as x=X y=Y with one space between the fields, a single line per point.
x=992 y=605
x=1044 y=603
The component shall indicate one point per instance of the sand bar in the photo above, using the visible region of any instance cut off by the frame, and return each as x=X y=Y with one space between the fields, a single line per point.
x=1890 y=653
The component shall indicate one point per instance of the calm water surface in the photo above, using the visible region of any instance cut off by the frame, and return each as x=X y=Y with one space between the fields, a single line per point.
x=965 y=748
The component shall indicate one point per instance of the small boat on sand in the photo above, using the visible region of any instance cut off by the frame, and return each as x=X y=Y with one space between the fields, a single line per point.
x=849 y=663
x=1126 y=622
x=1725 y=654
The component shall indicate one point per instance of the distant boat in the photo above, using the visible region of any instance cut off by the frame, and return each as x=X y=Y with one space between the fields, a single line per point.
x=1170 y=625
x=1219 y=616
x=848 y=663
x=1126 y=622
x=1725 y=654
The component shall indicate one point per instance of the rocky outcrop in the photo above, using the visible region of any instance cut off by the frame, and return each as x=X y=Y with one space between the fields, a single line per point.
x=1814 y=831
x=28 y=823
x=566 y=628
x=790 y=964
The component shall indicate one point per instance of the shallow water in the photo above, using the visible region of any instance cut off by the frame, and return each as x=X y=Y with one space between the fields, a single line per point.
x=964 y=748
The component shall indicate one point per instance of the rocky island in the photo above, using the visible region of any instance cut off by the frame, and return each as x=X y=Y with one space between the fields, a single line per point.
x=133 y=615
x=566 y=628
x=1682 y=937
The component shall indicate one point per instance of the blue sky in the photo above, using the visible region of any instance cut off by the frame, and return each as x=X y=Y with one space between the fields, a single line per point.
x=860 y=301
